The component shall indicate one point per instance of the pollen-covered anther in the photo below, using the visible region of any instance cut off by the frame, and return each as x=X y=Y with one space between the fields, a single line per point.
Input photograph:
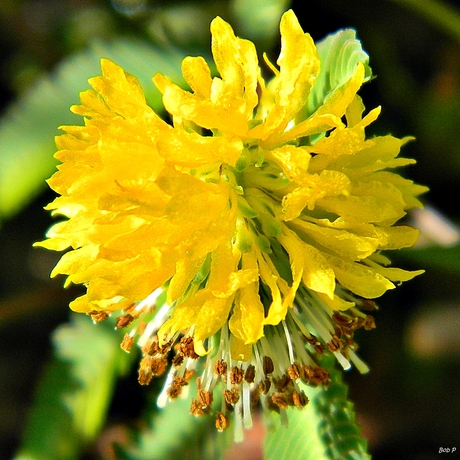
x=145 y=371
x=98 y=316
x=369 y=323
x=342 y=320
x=316 y=344
x=283 y=382
x=178 y=360
x=124 y=321
x=335 y=344
x=127 y=343
x=368 y=305
x=220 y=367
x=236 y=375
x=176 y=387
x=186 y=347
x=158 y=365
x=221 y=421
x=151 y=348
x=264 y=385
x=188 y=374
x=299 y=398
x=205 y=398
x=197 y=409
x=320 y=376
x=296 y=371
x=231 y=396
x=280 y=400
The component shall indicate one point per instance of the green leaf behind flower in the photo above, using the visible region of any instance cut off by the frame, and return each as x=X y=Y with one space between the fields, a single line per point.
x=28 y=127
x=173 y=433
x=324 y=430
x=339 y=53
x=73 y=396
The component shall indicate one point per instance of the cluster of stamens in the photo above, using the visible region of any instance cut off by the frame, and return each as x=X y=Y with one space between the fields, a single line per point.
x=280 y=363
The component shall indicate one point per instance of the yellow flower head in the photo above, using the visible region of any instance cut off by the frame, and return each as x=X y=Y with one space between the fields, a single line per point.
x=261 y=224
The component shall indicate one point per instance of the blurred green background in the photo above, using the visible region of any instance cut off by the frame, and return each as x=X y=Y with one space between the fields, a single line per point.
x=408 y=405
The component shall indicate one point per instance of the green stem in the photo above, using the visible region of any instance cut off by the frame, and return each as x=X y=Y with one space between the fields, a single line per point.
x=441 y=15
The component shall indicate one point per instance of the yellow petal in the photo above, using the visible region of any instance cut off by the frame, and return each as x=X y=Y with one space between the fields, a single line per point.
x=198 y=75
x=186 y=270
x=336 y=303
x=239 y=350
x=247 y=318
x=344 y=243
x=299 y=67
x=358 y=278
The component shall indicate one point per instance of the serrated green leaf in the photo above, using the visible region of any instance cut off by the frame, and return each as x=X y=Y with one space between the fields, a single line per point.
x=339 y=54
x=74 y=393
x=173 y=433
x=324 y=430
x=28 y=127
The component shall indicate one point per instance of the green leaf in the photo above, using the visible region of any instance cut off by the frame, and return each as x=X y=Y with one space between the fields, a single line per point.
x=324 y=430
x=173 y=433
x=28 y=127
x=73 y=396
x=339 y=53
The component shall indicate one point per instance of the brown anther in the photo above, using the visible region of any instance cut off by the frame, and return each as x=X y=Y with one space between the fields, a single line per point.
x=312 y=340
x=231 y=396
x=236 y=375
x=98 y=316
x=320 y=376
x=221 y=421
x=264 y=385
x=166 y=347
x=368 y=305
x=205 y=397
x=174 y=391
x=180 y=381
x=295 y=371
x=177 y=360
x=123 y=321
x=341 y=320
x=158 y=365
x=319 y=348
x=220 y=367
x=369 y=323
x=144 y=377
x=188 y=374
x=127 y=343
x=299 y=398
x=196 y=408
x=335 y=344
x=280 y=400
x=316 y=344
x=250 y=374
x=186 y=347
x=268 y=365
x=145 y=372
x=283 y=382
x=151 y=348
x=308 y=373
x=176 y=387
